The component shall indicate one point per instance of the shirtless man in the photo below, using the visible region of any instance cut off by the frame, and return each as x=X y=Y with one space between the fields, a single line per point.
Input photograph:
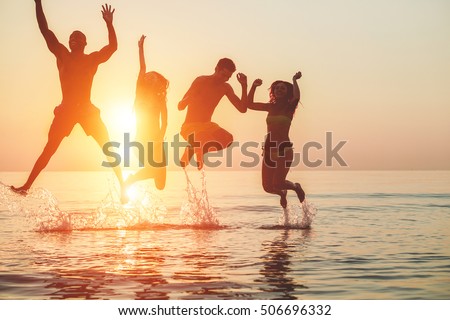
x=202 y=99
x=76 y=73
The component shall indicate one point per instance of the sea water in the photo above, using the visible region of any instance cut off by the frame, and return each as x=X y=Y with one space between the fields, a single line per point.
x=375 y=235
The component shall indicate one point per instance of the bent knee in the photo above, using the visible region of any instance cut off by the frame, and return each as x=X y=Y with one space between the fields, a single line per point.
x=227 y=138
x=219 y=140
x=267 y=188
x=279 y=185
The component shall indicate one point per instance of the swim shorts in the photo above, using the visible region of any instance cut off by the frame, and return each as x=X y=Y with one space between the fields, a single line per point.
x=88 y=116
x=193 y=128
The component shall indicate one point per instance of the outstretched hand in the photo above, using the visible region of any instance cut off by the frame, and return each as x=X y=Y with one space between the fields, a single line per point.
x=297 y=76
x=141 y=41
x=107 y=13
x=257 y=82
x=242 y=78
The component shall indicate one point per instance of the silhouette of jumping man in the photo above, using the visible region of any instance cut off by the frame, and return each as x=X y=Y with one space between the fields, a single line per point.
x=76 y=73
x=278 y=152
x=151 y=121
x=202 y=99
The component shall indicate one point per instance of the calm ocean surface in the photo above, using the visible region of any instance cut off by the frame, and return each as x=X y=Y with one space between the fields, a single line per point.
x=376 y=235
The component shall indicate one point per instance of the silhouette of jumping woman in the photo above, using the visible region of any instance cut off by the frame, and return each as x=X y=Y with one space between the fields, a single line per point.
x=278 y=152
x=76 y=73
x=202 y=99
x=151 y=122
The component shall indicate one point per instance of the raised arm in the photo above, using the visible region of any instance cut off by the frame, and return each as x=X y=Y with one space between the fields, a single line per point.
x=240 y=104
x=52 y=42
x=251 y=95
x=106 y=52
x=142 y=66
x=142 y=69
x=296 y=93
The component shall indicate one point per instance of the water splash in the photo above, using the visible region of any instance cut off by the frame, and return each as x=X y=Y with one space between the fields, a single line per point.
x=41 y=210
x=197 y=211
x=145 y=208
x=298 y=216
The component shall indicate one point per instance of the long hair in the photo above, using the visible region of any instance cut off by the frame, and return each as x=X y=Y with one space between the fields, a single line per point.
x=289 y=93
x=159 y=89
x=154 y=92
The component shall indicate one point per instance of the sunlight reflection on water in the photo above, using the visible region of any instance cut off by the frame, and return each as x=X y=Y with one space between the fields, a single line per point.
x=358 y=247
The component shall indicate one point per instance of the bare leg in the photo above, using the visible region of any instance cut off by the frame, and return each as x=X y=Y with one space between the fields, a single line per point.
x=154 y=170
x=204 y=142
x=217 y=140
x=288 y=185
x=158 y=174
x=143 y=174
x=186 y=157
x=279 y=181
x=300 y=192
x=268 y=174
x=101 y=136
x=49 y=150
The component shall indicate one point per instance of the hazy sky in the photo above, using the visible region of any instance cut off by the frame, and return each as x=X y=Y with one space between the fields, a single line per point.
x=375 y=73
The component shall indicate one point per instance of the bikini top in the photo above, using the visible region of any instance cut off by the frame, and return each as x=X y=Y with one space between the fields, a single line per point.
x=278 y=120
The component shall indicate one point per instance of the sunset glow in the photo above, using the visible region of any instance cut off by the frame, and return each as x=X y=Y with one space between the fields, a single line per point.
x=121 y=119
x=375 y=74
x=190 y=152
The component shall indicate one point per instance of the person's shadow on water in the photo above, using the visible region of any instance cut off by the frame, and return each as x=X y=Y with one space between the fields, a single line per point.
x=278 y=278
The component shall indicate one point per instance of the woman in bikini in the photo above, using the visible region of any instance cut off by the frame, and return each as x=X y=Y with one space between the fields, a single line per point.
x=278 y=152
x=151 y=122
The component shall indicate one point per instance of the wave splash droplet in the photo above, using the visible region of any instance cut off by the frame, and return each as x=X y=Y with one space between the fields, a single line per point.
x=197 y=211
x=39 y=207
x=298 y=216
x=41 y=210
x=145 y=208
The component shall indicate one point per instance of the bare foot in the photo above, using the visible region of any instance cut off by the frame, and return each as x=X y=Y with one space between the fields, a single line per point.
x=20 y=191
x=300 y=192
x=283 y=199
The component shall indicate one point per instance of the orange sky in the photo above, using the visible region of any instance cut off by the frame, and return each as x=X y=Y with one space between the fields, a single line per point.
x=375 y=73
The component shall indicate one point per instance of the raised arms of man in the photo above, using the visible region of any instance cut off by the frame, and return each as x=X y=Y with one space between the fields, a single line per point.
x=106 y=52
x=52 y=42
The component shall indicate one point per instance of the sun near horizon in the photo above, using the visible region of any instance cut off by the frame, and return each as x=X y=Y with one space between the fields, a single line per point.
x=374 y=74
